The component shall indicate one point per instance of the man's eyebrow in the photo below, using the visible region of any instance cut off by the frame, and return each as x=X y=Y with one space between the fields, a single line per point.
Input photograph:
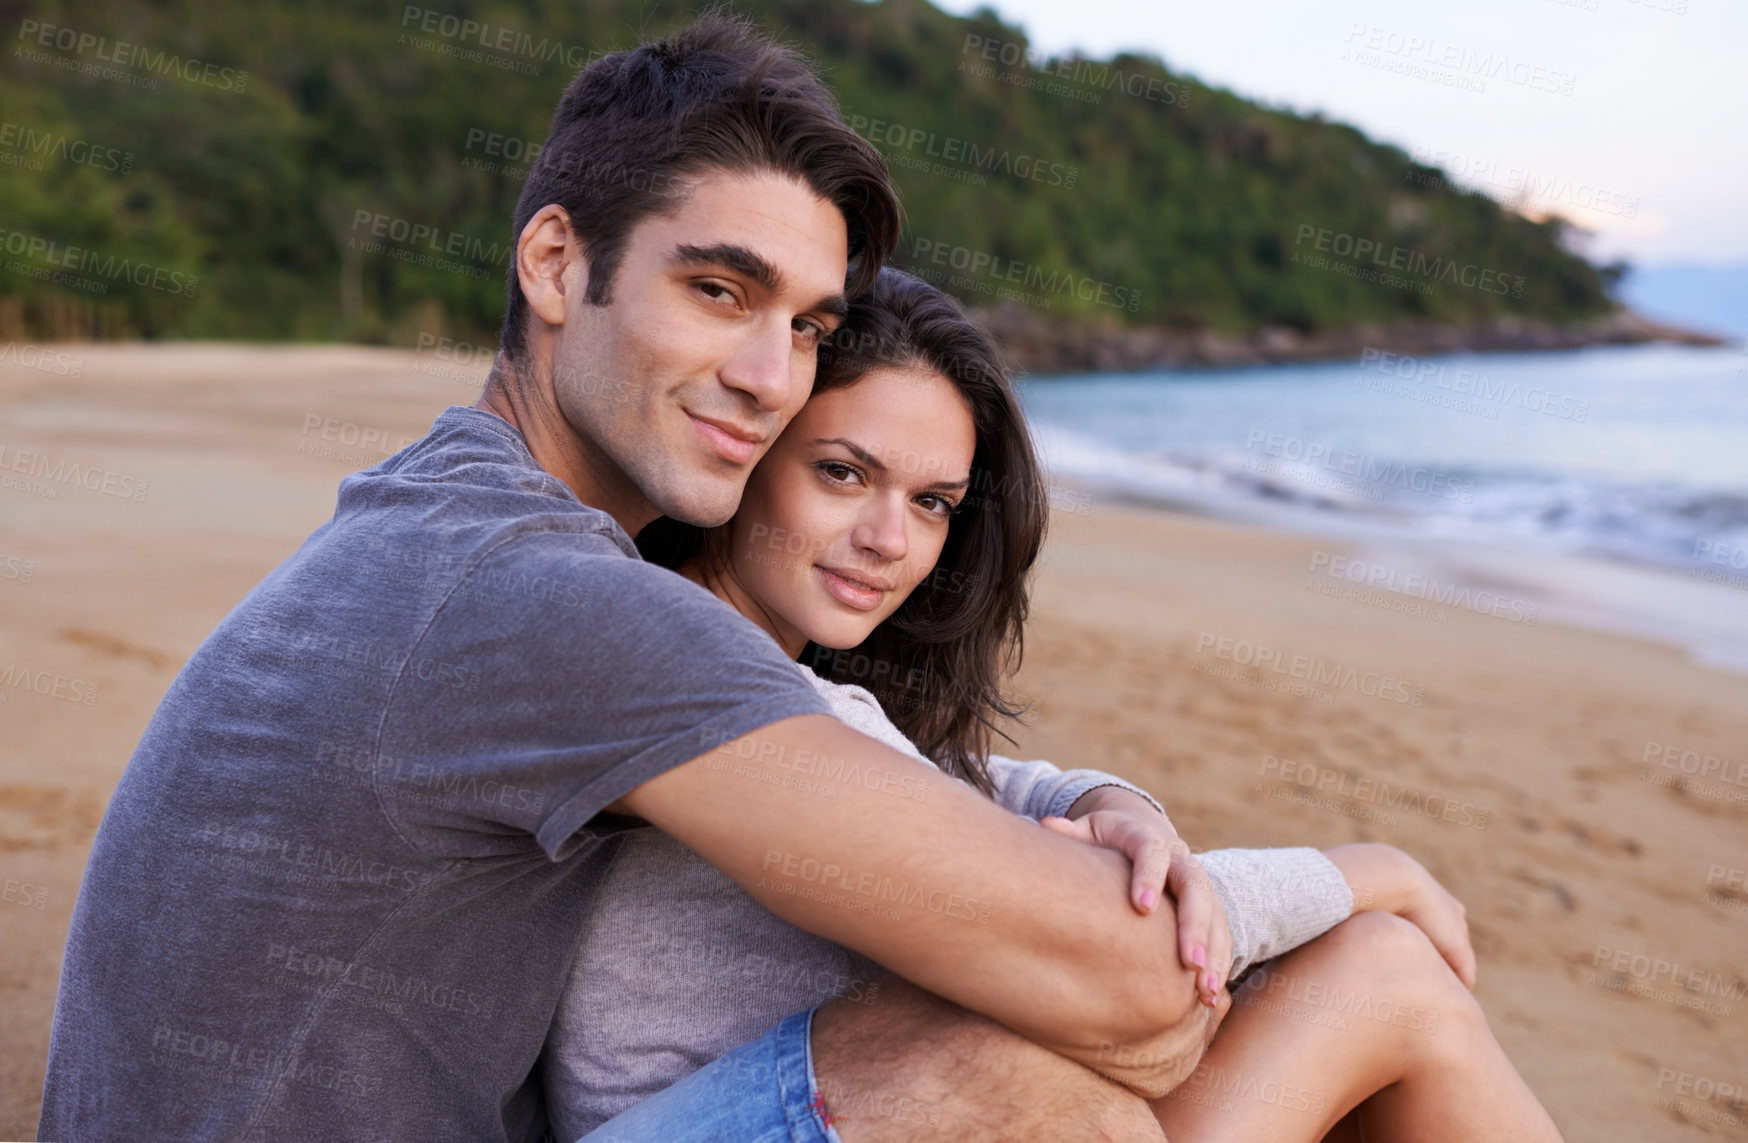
x=737 y=258
x=755 y=266
x=874 y=462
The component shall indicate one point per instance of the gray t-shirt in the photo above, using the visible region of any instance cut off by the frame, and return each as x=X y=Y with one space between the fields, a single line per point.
x=343 y=878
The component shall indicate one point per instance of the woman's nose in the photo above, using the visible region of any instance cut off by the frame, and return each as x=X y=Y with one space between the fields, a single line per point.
x=880 y=532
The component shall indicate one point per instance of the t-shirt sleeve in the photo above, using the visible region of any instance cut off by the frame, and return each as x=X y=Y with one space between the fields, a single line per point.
x=559 y=676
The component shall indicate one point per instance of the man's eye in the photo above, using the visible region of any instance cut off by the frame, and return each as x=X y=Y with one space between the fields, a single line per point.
x=811 y=330
x=714 y=290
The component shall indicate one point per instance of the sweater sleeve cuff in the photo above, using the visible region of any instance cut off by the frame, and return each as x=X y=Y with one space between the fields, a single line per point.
x=1276 y=899
x=1084 y=782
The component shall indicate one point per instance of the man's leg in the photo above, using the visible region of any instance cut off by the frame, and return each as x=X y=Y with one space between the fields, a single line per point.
x=913 y=1068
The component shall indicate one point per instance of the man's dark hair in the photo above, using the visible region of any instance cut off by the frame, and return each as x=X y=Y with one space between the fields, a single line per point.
x=635 y=125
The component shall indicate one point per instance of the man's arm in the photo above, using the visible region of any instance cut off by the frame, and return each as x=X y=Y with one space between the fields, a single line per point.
x=849 y=839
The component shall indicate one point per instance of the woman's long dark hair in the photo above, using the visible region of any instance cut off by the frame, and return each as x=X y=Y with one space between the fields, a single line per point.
x=938 y=663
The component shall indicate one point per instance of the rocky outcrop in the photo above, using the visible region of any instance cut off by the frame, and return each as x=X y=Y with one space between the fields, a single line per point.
x=1036 y=344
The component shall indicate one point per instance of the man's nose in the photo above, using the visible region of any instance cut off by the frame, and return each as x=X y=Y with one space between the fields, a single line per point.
x=763 y=365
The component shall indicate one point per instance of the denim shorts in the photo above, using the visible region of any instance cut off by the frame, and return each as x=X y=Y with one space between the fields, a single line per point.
x=761 y=1092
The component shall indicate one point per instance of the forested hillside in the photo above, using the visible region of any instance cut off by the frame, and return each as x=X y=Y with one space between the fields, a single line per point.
x=348 y=171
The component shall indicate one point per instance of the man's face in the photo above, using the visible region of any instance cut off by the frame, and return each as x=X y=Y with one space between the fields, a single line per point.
x=708 y=347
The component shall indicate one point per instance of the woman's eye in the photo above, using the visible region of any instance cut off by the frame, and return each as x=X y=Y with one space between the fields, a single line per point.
x=939 y=505
x=838 y=471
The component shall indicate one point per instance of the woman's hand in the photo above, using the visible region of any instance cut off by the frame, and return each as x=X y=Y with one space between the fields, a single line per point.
x=1113 y=818
x=1384 y=878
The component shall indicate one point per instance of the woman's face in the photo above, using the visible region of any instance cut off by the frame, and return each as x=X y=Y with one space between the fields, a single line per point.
x=847 y=513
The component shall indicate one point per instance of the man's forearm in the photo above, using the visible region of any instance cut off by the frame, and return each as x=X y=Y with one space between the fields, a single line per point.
x=850 y=840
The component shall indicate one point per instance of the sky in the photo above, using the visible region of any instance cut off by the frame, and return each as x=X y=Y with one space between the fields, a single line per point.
x=1630 y=117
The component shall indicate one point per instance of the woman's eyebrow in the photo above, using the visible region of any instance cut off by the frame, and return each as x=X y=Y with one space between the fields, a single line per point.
x=876 y=464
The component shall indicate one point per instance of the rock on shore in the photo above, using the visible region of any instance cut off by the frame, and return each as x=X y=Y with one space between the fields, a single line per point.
x=1036 y=344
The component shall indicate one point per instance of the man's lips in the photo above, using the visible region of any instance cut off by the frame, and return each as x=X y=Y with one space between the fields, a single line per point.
x=731 y=441
x=855 y=588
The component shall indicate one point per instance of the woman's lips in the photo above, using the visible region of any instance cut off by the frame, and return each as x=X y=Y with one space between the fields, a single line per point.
x=851 y=592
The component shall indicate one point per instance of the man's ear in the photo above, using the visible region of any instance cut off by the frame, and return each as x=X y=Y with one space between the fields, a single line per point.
x=543 y=250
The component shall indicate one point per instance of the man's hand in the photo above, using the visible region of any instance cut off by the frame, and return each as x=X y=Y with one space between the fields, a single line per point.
x=1115 y=818
x=1384 y=878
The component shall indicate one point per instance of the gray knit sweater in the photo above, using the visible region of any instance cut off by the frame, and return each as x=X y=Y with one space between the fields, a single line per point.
x=679 y=964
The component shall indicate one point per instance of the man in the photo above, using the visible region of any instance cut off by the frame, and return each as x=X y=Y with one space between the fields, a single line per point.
x=338 y=888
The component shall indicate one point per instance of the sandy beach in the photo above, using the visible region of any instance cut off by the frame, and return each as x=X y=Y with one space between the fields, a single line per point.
x=1573 y=788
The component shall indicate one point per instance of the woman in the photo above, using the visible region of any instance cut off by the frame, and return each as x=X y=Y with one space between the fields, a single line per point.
x=886 y=540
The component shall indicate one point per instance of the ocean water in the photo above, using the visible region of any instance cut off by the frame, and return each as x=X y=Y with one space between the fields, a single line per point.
x=1612 y=482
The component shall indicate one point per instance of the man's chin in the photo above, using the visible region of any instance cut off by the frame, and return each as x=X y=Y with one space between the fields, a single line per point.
x=703 y=507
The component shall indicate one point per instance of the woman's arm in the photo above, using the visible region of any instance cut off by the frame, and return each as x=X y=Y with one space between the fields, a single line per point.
x=1040 y=790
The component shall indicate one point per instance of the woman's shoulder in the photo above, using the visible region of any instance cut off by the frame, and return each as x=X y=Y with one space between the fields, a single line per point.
x=857 y=707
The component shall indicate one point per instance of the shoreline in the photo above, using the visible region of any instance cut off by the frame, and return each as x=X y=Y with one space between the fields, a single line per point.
x=1042 y=346
x=1435 y=577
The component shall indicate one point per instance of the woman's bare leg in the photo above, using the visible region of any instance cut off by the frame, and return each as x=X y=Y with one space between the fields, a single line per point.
x=1367 y=1019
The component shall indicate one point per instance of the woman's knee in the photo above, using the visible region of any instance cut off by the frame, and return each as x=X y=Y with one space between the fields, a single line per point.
x=1376 y=967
